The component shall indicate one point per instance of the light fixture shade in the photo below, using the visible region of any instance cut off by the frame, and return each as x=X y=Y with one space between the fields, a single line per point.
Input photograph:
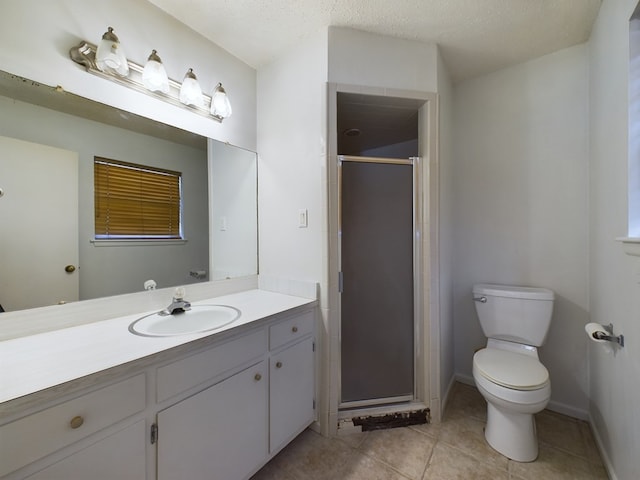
x=154 y=76
x=110 y=56
x=220 y=105
x=190 y=91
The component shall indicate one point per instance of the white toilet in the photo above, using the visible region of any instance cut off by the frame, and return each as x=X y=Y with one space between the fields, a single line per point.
x=507 y=372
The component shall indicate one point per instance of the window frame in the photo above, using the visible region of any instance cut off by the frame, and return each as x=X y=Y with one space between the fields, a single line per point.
x=145 y=174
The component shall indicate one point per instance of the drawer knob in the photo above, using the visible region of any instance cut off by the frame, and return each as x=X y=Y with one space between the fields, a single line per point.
x=76 y=422
x=294 y=329
x=279 y=365
x=257 y=377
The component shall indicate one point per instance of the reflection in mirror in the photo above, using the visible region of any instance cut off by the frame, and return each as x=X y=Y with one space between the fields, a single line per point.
x=234 y=207
x=64 y=133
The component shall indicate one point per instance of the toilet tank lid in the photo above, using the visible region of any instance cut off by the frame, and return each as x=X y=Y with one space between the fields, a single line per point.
x=512 y=291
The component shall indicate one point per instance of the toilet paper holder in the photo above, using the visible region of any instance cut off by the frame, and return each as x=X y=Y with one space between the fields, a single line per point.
x=609 y=336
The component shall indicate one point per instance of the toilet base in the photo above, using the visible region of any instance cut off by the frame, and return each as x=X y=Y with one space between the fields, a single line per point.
x=512 y=434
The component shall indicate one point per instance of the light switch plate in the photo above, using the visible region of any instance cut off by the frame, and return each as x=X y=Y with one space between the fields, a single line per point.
x=303 y=218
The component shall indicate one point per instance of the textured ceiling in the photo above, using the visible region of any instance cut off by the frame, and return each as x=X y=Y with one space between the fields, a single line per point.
x=476 y=36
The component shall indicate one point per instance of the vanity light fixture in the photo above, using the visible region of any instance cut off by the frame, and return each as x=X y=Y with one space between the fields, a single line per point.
x=110 y=56
x=108 y=61
x=154 y=76
x=190 y=92
x=220 y=105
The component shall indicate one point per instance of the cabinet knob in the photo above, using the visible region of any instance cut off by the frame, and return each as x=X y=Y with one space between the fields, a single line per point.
x=294 y=329
x=279 y=365
x=257 y=377
x=76 y=422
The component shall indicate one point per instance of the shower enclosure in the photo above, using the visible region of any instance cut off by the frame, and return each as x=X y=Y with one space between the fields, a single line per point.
x=377 y=255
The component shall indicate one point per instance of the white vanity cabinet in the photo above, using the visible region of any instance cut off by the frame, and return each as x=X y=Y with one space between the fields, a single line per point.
x=86 y=419
x=291 y=379
x=230 y=429
x=216 y=409
x=219 y=433
x=121 y=456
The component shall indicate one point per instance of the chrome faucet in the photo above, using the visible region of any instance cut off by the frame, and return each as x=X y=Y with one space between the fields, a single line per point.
x=178 y=304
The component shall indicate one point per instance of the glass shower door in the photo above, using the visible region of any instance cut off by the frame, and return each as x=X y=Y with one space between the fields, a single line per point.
x=377 y=292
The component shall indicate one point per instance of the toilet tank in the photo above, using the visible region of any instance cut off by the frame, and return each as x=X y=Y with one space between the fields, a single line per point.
x=512 y=313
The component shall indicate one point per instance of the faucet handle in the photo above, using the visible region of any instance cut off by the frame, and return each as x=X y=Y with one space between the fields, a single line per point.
x=179 y=293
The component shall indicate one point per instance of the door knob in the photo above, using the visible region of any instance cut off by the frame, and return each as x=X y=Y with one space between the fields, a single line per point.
x=70 y=268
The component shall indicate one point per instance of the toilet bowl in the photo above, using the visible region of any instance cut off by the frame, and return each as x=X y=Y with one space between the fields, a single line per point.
x=515 y=386
x=508 y=372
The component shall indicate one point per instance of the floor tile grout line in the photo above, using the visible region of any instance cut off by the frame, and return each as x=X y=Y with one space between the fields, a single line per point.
x=380 y=460
x=479 y=460
x=566 y=451
x=426 y=467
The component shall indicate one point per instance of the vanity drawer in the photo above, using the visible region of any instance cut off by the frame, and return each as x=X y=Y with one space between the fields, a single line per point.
x=189 y=372
x=291 y=329
x=33 y=437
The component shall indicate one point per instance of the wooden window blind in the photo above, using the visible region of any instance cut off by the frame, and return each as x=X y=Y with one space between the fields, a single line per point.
x=136 y=201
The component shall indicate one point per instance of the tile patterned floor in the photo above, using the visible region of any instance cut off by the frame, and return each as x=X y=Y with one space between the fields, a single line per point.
x=455 y=449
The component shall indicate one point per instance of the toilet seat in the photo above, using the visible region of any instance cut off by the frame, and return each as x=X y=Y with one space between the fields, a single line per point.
x=511 y=370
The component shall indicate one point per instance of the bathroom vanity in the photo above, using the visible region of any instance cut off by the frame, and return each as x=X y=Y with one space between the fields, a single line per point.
x=214 y=405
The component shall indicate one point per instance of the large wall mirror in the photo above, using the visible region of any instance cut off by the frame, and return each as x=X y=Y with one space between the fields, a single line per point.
x=48 y=250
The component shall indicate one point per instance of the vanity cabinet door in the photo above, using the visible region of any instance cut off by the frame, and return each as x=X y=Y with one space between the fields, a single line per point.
x=291 y=396
x=119 y=456
x=219 y=433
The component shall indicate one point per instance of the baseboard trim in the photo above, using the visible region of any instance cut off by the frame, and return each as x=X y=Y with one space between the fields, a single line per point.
x=447 y=393
x=568 y=410
x=466 y=379
x=608 y=466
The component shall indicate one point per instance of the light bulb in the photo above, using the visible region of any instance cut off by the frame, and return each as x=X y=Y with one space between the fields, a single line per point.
x=220 y=105
x=110 y=56
x=190 y=92
x=154 y=76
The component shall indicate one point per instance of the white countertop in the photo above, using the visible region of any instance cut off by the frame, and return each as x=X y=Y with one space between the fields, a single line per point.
x=38 y=362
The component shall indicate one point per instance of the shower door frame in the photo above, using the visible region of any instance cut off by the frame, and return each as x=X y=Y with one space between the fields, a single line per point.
x=415 y=163
x=428 y=378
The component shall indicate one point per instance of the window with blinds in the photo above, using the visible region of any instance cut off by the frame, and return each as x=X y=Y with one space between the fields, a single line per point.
x=136 y=201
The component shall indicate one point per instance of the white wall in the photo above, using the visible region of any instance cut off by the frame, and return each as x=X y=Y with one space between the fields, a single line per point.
x=445 y=226
x=634 y=127
x=36 y=38
x=361 y=58
x=292 y=177
x=521 y=205
x=291 y=143
x=614 y=278
x=397 y=150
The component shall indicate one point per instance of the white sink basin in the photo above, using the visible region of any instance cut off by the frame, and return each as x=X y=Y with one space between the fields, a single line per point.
x=201 y=318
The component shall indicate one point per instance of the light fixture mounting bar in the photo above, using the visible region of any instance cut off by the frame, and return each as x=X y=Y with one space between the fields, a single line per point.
x=85 y=54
